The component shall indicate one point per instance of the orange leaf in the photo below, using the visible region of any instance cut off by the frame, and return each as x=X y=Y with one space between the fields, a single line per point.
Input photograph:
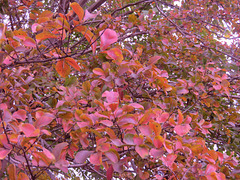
x=45 y=35
x=78 y=10
x=12 y=172
x=62 y=22
x=22 y=176
x=180 y=117
x=115 y=54
x=62 y=68
x=98 y=71
x=72 y=63
x=91 y=38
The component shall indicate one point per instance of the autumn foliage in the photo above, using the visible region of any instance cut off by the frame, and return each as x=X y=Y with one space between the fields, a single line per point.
x=127 y=89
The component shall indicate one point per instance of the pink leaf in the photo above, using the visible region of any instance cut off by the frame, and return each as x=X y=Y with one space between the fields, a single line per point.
x=210 y=168
x=43 y=118
x=136 y=105
x=108 y=37
x=20 y=114
x=169 y=160
x=112 y=155
x=156 y=153
x=182 y=130
x=4 y=153
x=165 y=42
x=29 y=42
x=58 y=149
x=89 y=15
x=111 y=96
x=82 y=156
x=142 y=151
x=29 y=130
x=163 y=117
x=96 y=159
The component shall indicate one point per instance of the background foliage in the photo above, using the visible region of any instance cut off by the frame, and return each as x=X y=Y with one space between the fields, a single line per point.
x=128 y=89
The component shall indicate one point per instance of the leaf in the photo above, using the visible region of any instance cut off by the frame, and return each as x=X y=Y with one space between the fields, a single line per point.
x=169 y=160
x=78 y=10
x=115 y=54
x=43 y=119
x=210 y=168
x=91 y=38
x=58 y=149
x=82 y=156
x=112 y=154
x=29 y=130
x=62 y=68
x=29 y=42
x=4 y=153
x=111 y=96
x=20 y=114
x=22 y=176
x=12 y=172
x=89 y=15
x=142 y=151
x=96 y=159
x=107 y=38
x=180 y=117
x=163 y=117
x=45 y=35
x=98 y=71
x=36 y=27
x=182 y=130
x=158 y=141
x=62 y=22
x=2 y=32
x=154 y=59
x=109 y=172
x=165 y=42
x=49 y=155
x=72 y=63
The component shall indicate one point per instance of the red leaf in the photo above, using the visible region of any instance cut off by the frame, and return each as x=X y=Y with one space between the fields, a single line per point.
x=82 y=156
x=108 y=37
x=165 y=42
x=182 y=130
x=112 y=155
x=78 y=10
x=98 y=71
x=109 y=172
x=115 y=54
x=4 y=153
x=154 y=59
x=29 y=42
x=49 y=155
x=138 y=140
x=29 y=130
x=72 y=63
x=169 y=160
x=96 y=159
x=158 y=141
x=43 y=119
x=180 y=117
x=111 y=96
x=156 y=153
x=62 y=68
x=20 y=114
x=142 y=151
x=58 y=149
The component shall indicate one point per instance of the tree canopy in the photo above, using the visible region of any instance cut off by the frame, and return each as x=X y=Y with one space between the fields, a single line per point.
x=125 y=89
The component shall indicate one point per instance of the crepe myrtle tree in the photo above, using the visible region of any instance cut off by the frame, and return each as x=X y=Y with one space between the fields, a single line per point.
x=123 y=89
